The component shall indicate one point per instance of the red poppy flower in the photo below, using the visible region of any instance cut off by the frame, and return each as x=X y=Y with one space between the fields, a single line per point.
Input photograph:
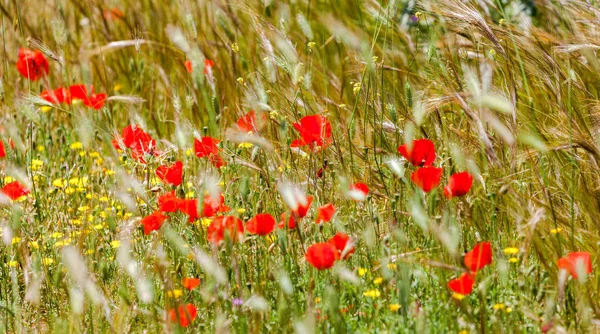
x=90 y=99
x=322 y=255
x=225 y=225
x=479 y=257
x=57 y=96
x=420 y=153
x=190 y=208
x=545 y=328
x=249 y=122
x=184 y=314
x=153 y=222
x=113 y=14
x=358 y=192
x=322 y=170
x=217 y=161
x=171 y=174
x=427 y=178
x=343 y=244
x=300 y=212
x=168 y=202
x=15 y=190
x=302 y=209
x=2 y=150
x=206 y=146
x=212 y=206
x=463 y=284
x=576 y=261
x=188 y=66
x=459 y=184
x=208 y=65
x=261 y=224
x=190 y=282
x=291 y=222
x=325 y=213
x=315 y=131
x=32 y=64
x=138 y=141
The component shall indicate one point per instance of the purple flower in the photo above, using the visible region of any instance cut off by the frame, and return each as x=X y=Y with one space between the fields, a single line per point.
x=237 y=301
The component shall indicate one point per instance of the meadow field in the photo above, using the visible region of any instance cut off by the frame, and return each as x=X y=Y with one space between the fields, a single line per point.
x=300 y=166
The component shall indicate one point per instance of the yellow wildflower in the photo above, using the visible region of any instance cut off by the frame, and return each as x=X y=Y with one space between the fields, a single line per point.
x=63 y=243
x=205 y=222
x=79 y=181
x=47 y=261
x=511 y=251
x=499 y=306
x=59 y=183
x=115 y=244
x=362 y=271
x=76 y=145
x=378 y=280
x=175 y=293
x=36 y=164
x=56 y=235
x=372 y=293
x=394 y=307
